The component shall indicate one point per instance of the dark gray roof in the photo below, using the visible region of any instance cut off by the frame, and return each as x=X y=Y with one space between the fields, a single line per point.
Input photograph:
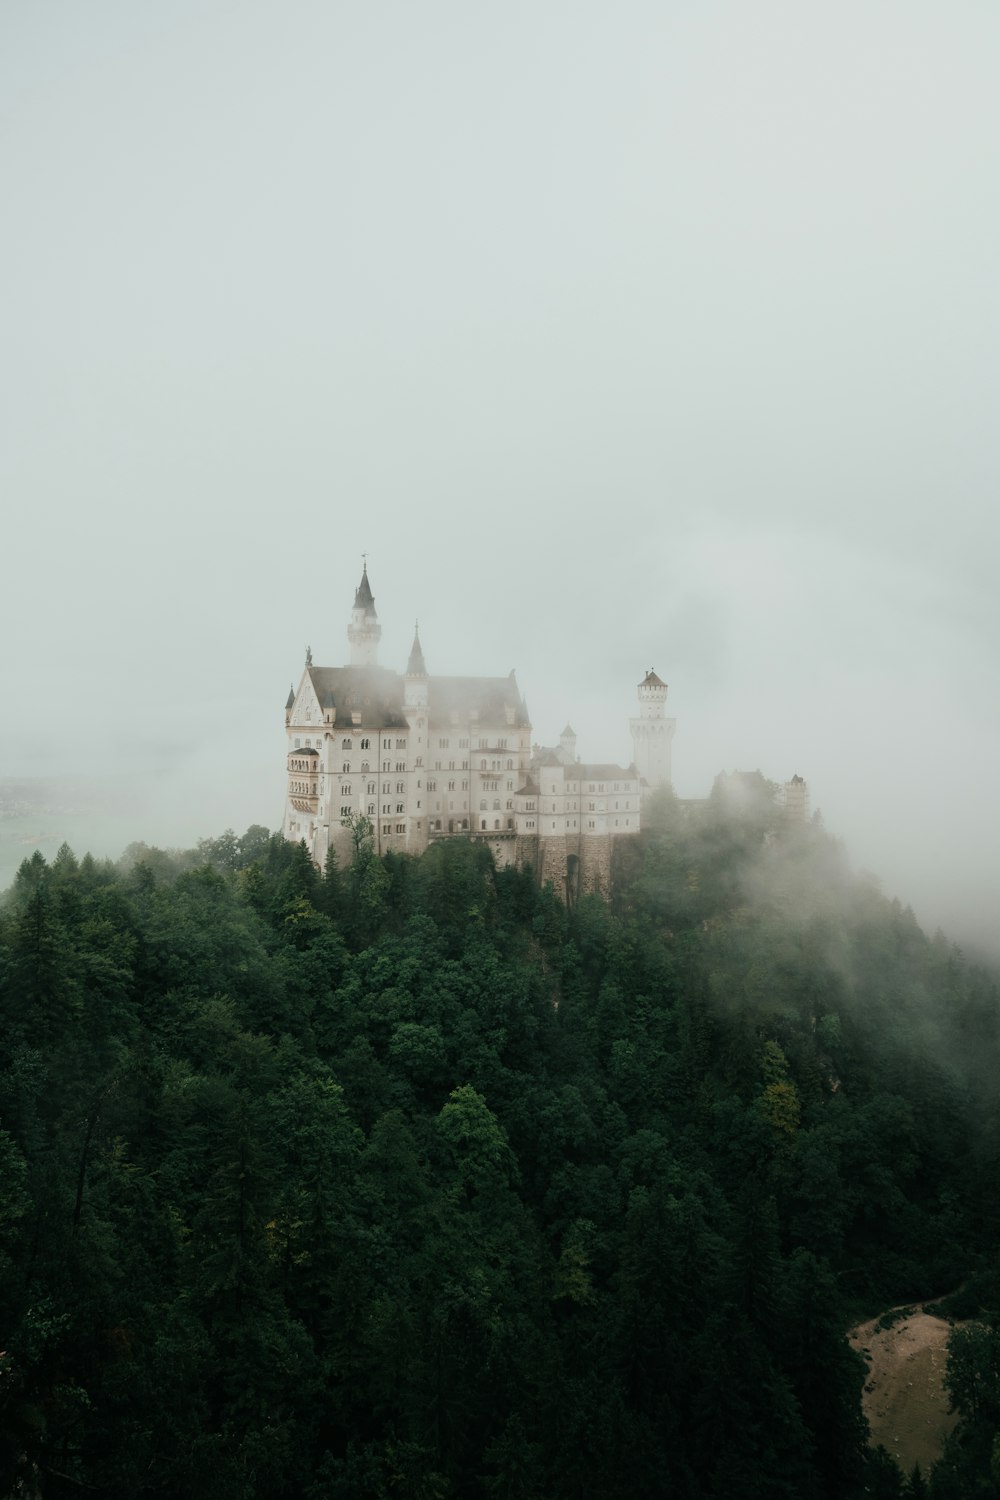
x=373 y=692
x=363 y=597
x=416 y=666
x=376 y=693
x=290 y=700
x=489 y=697
x=602 y=772
x=307 y=750
x=651 y=680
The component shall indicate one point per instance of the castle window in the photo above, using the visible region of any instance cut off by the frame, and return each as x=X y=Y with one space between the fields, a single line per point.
x=400 y=827
x=591 y=823
x=401 y=765
x=496 y=804
x=510 y=765
x=510 y=822
x=399 y=807
x=482 y=824
x=346 y=745
x=371 y=809
x=501 y=744
x=465 y=786
x=371 y=787
x=509 y=804
x=451 y=786
x=366 y=744
x=482 y=805
x=345 y=812
x=400 y=744
x=463 y=744
x=347 y=765
x=387 y=744
x=345 y=791
x=451 y=765
x=298 y=744
x=432 y=786
x=496 y=822
x=364 y=767
x=443 y=744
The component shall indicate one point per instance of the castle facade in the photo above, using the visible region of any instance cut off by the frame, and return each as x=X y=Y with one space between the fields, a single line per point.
x=425 y=758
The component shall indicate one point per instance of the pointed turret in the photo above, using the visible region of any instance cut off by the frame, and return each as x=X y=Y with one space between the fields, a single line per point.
x=416 y=667
x=567 y=746
x=290 y=700
x=364 y=632
x=415 y=684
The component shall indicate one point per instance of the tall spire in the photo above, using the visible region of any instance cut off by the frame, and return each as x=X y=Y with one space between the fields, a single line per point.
x=364 y=631
x=363 y=597
x=416 y=666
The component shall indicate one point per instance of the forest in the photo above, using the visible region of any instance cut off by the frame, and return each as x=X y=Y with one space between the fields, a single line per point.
x=404 y=1181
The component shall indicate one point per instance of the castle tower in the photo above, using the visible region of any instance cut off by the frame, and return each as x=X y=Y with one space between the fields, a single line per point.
x=652 y=733
x=364 y=632
x=415 y=683
x=567 y=746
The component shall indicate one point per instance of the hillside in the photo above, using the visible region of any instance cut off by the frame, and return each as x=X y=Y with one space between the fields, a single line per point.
x=405 y=1180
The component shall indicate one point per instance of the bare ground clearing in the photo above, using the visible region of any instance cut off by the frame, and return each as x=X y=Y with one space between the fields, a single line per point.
x=904 y=1398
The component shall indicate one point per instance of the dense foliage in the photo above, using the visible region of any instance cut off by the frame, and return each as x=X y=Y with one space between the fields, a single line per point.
x=405 y=1181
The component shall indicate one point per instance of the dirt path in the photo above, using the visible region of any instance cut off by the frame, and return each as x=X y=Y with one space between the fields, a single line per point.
x=904 y=1400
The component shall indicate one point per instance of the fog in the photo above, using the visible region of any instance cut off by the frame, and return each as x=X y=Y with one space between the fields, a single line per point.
x=619 y=337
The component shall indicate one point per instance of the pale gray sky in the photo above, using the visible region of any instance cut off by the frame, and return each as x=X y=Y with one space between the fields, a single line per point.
x=620 y=336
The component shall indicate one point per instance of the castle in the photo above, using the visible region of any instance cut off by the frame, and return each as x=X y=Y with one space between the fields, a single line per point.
x=427 y=758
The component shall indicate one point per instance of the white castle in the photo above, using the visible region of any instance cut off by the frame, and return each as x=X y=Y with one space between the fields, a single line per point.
x=428 y=758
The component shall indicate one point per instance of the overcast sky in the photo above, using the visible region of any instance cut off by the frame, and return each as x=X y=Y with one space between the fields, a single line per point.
x=620 y=336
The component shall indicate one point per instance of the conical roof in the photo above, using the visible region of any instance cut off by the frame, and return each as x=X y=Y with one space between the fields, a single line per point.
x=290 y=700
x=363 y=596
x=416 y=666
